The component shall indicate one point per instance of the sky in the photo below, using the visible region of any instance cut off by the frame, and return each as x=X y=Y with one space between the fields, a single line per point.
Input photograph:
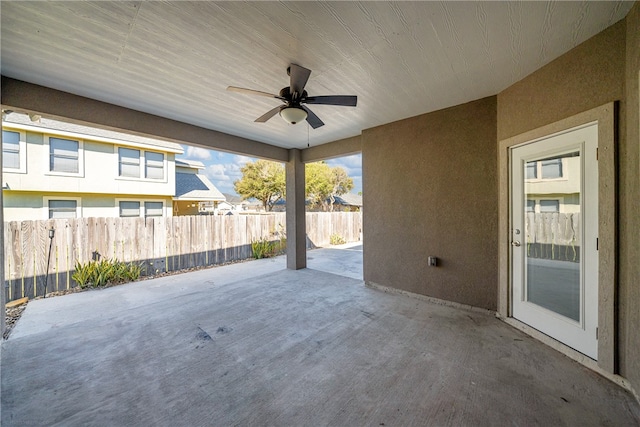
x=224 y=168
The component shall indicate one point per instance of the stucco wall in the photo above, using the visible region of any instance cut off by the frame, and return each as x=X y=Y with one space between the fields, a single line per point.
x=26 y=206
x=430 y=181
x=592 y=74
x=629 y=208
x=430 y=189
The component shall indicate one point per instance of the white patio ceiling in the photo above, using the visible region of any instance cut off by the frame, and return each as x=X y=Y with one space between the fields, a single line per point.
x=175 y=59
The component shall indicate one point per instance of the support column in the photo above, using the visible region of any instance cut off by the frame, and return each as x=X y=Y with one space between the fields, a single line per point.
x=296 y=219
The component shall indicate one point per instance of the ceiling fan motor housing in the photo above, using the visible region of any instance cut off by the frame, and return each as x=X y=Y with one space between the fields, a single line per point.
x=285 y=93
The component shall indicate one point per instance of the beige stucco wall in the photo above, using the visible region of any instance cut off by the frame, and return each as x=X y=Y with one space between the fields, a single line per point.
x=430 y=189
x=31 y=206
x=593 y=74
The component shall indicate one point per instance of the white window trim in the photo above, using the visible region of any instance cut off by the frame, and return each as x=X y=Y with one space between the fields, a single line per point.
x=142 y=207
x=45 y=205
x=23 y=152
x=143 y=165
x=564 y=177
x=47 y=152
x=560 y=199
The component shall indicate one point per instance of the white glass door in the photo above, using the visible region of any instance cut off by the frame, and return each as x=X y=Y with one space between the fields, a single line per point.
x=554 y=231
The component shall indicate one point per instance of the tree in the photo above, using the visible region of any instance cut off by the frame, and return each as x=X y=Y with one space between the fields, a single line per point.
x=317 y=183
x=341 y=184
x=262 y=180
x=324 y=182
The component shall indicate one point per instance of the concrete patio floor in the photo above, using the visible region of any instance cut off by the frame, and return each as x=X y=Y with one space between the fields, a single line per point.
x=256 y=344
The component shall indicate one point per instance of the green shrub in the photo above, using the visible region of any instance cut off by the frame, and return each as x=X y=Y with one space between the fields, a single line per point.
x=84 y=273
x=280 y=247
x=264 y=248
x=105 y=272
x=336 y=239
x=261 y=248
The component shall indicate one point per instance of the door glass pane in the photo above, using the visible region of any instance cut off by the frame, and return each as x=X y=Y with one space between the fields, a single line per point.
x=549 y=205
x=553 y=236
x=552 y=168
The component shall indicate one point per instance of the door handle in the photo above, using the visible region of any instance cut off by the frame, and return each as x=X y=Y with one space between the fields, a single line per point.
x=515 y=243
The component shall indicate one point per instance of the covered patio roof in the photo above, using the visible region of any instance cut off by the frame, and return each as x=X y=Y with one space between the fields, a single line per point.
x=174 y=60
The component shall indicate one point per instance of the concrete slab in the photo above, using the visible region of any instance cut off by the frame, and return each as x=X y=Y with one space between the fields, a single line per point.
x=345 y=260
x=256 y=344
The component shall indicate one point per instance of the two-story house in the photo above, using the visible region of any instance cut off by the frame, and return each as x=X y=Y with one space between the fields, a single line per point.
x=54 y=169
x=553 y=184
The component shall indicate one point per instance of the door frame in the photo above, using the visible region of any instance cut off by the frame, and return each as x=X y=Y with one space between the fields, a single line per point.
x=607 y=331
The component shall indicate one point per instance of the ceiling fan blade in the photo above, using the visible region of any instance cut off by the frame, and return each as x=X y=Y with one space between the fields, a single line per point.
x=252 y=92
x=266 y=116
x=298 y=77
x=312 y=119
x=346 y=100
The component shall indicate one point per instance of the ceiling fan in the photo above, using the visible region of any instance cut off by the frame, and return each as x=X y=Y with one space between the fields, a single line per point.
x=293 y=97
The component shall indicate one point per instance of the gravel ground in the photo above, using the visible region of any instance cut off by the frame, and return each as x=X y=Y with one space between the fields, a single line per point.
x=12 y=316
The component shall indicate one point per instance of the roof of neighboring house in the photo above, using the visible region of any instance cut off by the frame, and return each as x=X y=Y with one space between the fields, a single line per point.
x=349 y=199
x=22 y=121
x=192 y=164
x=191 y=186
x=234 y=200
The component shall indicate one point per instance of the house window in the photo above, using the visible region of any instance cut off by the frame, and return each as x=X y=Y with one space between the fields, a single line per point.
x=549 y=206
x=129 y=209
x=152 y=209
x=64 y=155
x=129 y=161
x=132 y=163
x=531 y=206
x=10 y=149
x=63 y=209
x=551 y=168
x=531 y=170
x=154 y=165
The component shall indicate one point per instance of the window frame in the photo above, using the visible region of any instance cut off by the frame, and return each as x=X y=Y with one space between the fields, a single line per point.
x=564 y=168
x=143 y=165
x=47 y=153
x=22 y=153
x=120 y=163
x=561 y=166
x=147 y=166
x=142 y=209
x=47 y=199
x=162 y=209
x=537 y=205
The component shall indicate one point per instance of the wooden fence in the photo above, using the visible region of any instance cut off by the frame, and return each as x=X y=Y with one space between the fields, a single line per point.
x=160 y=244
x=553 y=236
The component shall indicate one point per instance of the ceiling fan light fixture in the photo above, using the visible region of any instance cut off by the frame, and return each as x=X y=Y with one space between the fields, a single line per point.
x=293 y=115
